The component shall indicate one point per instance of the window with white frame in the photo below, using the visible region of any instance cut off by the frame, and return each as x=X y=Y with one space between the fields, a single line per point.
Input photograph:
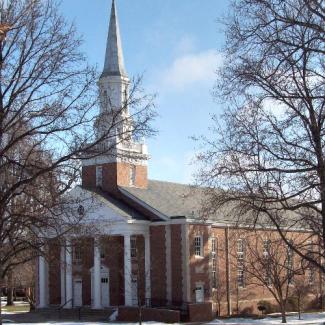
x=310 y=248
x=240 y=249
x=240 y=263
x=266 y=247
x=198 y=249
x=214 y=273
x=133 y=247
x=290 y=265
x=240 y=275
x=310 y=276
x=214 y=247
x=99 y=175
x=77 y=254
x=132 y=175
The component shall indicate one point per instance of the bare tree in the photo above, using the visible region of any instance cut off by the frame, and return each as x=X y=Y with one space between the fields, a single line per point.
x=48 y=104
x=266 y=163
x=266 y=261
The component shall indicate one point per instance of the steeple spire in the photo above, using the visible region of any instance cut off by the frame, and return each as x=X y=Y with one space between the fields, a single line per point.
x=114 y=62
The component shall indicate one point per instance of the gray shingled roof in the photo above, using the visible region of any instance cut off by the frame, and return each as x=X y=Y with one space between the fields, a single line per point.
x=170 y=199
x=179 y=200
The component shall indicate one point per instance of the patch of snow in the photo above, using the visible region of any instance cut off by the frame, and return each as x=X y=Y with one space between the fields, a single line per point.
x=93 y=323
x=315 y=318
x=113 y=317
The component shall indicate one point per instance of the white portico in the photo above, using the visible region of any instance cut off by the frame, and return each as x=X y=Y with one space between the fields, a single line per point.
x=76 y=270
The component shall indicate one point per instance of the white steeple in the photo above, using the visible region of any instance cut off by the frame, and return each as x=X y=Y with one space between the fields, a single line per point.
x=114 y=117
x=114 y=83
x=114 y=61
x=121 y=160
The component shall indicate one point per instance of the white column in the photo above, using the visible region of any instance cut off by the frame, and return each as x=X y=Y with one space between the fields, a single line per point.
x=68 y=274
x=42 y=282
x=127 y=271
x=147 y=265
x=62 y=268
x=97 y=278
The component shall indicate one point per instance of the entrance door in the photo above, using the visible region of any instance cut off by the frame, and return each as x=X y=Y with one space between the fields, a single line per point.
x=134 y=289
x=104 y=284
x=105 y=291
x=77 y=293
x=199 y=293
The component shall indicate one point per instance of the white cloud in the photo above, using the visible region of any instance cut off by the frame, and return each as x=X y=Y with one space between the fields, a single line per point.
x=192 y=69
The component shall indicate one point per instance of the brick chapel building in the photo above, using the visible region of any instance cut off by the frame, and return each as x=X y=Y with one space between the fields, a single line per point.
x=154 y=249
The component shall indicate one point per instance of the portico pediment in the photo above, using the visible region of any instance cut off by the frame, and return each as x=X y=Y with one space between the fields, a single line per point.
x=95 y=208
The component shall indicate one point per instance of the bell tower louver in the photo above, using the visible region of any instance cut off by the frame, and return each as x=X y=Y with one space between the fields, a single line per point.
x=125 y=163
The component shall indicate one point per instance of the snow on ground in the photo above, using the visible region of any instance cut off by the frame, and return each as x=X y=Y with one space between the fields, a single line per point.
x=316 y=318
x=93 y=323
x=17 y=303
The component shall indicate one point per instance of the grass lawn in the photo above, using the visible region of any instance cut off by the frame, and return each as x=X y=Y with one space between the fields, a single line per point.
x=16 y=308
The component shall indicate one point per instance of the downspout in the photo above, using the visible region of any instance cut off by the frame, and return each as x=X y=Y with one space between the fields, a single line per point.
x=229 y=311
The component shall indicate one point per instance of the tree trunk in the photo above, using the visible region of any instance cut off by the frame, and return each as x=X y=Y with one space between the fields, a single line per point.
x=283 y=314
x=299 y=307
x=1 y=286
x=1 y=302
x=10 y=290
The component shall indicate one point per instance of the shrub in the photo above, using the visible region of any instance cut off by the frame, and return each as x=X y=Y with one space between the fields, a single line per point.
x=292 y=304
x=248 y=311
x=265 y=307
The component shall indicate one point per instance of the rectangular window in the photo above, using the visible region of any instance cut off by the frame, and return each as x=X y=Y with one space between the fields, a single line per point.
x=198 y=246
x=266 y=247
x=133 y=247
x=132 y=175
x=240 y=249
x=310 y=248
x=214 y=246
x=240 y=275
x=240 y=263
x=77 y=255
x=290 y=265
x=214 y=273
x=99 y=175
x=268 y=274
x=310 y=276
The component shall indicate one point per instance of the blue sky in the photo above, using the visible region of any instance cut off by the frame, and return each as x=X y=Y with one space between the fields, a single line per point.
x=175 y=44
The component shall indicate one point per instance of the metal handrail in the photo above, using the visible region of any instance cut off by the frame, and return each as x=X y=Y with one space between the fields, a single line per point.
x=61 y=307
x=71 y=300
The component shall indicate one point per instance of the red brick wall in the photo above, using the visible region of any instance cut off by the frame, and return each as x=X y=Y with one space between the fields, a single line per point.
x=115 y=174
x=54 y=274
x=131 y=314
x=200 y=312
x=158 y=264
x=199 y=266
x=89 y=176
x=87 y=263
x=177 y=263
x=114 y=261
x=138 y=267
